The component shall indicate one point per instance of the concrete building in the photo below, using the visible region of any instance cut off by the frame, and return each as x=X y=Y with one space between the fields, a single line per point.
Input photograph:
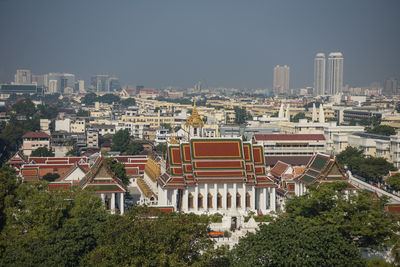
x=78 y=126
x=23 y=76
x=34 y=140
x=63 y=125
x=335 y=73
x=92 y=138
x=319 y=74
x=281 y=79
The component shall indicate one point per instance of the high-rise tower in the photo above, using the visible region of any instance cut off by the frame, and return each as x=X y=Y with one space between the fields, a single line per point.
x=281 y=79
x=335 y=73
x=319 y=74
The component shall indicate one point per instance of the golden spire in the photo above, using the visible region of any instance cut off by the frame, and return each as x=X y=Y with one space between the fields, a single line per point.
x=173 y=140
x=194 y=120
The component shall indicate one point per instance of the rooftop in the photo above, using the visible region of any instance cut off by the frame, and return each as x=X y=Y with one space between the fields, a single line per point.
x=289 y=137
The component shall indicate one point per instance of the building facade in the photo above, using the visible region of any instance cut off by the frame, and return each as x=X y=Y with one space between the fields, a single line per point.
x=335 y=73
x=319 y=74
x=281 y=79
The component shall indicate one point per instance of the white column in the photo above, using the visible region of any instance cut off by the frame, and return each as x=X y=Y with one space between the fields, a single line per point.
x=112 y=203
x=263 y=200
x=122 y=202
x=215 y=196
x=243 y=198
x=224 y=197
x=174 y=192
x=253 y=198
x=196 y=198
x=205 y=197
x=103 y=198
x=273 y=199
x=234 y=196
x=185 y=200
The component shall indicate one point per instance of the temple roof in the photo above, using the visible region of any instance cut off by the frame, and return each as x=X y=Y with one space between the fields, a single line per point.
x=203 y=160
x=194 y=120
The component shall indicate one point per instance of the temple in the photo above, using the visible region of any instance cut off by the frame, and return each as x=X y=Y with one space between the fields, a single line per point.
x=210 y=175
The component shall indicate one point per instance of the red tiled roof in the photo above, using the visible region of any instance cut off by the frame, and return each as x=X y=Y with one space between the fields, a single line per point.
x=36 y=135
x=279 y=168
x=289 y=137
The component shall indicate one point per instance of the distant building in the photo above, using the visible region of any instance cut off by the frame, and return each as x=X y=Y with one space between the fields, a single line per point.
x=391 y=86
x=35 y=140
x=105 y=83
x=20 y=89
x=92 y=138
x=59 y=81
x=335 y=73
x=23 y=77
x=281 y=79
x=319 y=74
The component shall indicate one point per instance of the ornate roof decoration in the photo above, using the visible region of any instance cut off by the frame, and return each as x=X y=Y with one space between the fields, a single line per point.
x=203 y=160
x=173 y=140
x=194 y=120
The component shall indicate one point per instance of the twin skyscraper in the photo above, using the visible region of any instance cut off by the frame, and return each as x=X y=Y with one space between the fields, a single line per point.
x=334 y=84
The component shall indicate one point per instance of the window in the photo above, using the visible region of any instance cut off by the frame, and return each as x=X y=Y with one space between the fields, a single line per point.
x=248 y=200
x=229 y=201
x=219 y=201
x=238 y=201
x=190 y=201
x=209 y=201
x=200 y=201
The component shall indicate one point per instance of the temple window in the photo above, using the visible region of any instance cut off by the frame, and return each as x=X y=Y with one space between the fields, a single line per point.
x=238 y=201
x=247 y=200
x=209 y=201
x=229 y=201
x=219 y=201
x=200 y=201
x=190 y=201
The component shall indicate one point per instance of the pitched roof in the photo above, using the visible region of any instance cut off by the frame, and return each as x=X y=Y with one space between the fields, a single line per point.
x=289 y=137
x=292 y=160
x=36 y=135
x=279 y=168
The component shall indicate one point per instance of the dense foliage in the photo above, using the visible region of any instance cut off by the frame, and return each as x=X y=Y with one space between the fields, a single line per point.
x=394 y=182
x=371 y=168
x=298 y=116
x=121 y=142
x=288 y=242
x=382 y=130
x=119 y=170
x=42 y=152
x=241 y=115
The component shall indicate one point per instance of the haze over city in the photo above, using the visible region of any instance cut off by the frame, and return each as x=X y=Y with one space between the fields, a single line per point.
x=222 y=43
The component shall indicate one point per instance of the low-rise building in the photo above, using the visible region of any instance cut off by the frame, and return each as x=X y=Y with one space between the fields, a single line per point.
x=92 y=138
x=34 y=140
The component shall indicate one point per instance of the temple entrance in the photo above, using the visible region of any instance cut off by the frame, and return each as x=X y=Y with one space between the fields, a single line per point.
x=234 y=223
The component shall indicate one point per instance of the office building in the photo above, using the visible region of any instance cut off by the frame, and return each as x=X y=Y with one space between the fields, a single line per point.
x=23 y=77
x=281 y=79
x=59 y=81
x=335 y=73
x=105 y=83
x=319 y=74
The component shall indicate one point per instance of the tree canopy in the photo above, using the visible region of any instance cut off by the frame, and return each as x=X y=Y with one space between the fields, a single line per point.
x=241 y=115
x=42 y=152
x=382 y=130
x=121 y=140
x=371 y=168
x=288 y=242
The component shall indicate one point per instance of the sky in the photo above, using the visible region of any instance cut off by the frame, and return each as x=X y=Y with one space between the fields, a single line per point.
x=222 y=43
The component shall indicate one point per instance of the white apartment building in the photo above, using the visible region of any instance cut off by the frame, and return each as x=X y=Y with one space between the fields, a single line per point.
x=78 y=126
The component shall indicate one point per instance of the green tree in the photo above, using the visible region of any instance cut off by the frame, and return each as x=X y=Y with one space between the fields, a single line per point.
x=72 y=152
x=288 y=242
x=119 y=170
x=241 y=116
x=298 y=116
x=121 y=140
x=89 y=99
x=382 y=130
x=358 y=217
x=108 y=98
x=134 y=148
x=24 y=107
x=8 y=186
x=140 y=238
x=50 y=228
x=161 y=148
x=128 y=102
x=42 y=152
x=50 y=177
x=394 y=182
x=82 y=113
x=348 y=154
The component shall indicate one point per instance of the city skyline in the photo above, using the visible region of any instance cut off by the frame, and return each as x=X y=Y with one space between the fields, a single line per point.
x=228 y=44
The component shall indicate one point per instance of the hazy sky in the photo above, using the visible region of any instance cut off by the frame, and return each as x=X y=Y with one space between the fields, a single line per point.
x=222 y=43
